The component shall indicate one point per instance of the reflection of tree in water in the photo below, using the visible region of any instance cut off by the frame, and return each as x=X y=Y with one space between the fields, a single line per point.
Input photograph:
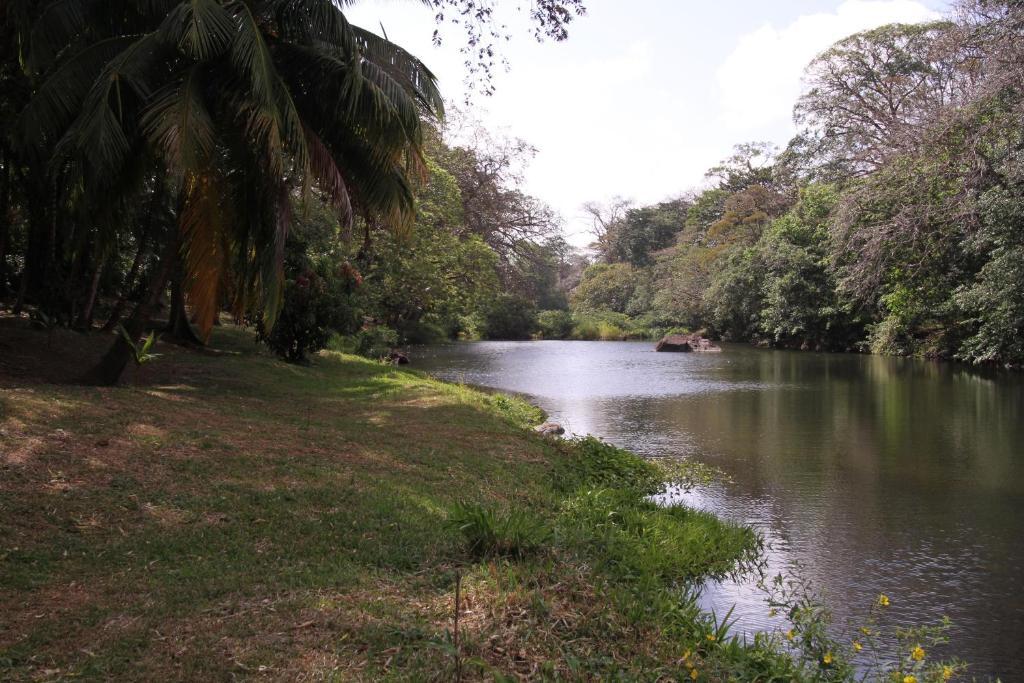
x=876 y=474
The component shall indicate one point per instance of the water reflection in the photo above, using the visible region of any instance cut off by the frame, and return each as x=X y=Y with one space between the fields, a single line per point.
x=875 y=474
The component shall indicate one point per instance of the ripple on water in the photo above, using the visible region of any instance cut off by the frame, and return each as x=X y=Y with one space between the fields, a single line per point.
x=870 y=474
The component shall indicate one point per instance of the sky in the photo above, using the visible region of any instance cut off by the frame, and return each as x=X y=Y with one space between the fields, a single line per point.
x=645 y=95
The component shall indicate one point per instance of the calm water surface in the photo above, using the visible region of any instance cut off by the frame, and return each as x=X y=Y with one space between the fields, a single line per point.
x=873 y=474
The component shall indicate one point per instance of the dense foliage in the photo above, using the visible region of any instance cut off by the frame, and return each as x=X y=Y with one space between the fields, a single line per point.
x=185 y=158
x=890 y=223
x=179 y=159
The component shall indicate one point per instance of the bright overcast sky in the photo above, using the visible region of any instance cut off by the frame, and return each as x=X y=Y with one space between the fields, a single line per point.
x=645 y=95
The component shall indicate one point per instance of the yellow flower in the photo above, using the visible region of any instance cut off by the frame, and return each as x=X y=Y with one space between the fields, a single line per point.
x=827 y=658
x=790 y=635
x=883 y=600
x=865 y=630
x=712 y=637
x=910 y=679
x=947 y=673
x=917 y=654
x=857 y=646
x=694 y=674
x=686 y=655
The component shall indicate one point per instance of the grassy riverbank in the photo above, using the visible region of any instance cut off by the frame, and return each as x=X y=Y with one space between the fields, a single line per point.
x=228 y=514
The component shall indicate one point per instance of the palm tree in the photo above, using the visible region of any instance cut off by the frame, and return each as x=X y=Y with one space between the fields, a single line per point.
x=234 y=105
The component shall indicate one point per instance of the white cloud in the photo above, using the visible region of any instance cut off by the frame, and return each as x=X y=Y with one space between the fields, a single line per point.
x=760 y=79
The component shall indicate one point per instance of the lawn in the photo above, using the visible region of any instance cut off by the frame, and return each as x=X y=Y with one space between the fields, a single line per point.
x=225 y=514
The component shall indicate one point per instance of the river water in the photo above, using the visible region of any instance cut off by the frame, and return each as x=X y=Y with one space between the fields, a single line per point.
x=873 y=475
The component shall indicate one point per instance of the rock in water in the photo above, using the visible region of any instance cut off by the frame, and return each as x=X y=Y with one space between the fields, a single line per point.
x=687 y=342
x=550 y=429
x=674 y=342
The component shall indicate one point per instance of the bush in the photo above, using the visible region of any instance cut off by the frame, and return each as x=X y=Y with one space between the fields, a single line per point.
x=423 y=332
x=555 y=324
x=317 y=303
x=375 y=342
x=489 y=533
x=606 y=326
x=510 y=317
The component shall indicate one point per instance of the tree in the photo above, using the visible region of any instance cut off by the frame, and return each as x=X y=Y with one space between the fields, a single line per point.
x=320 y=290
x=644 y=231
x=510 y=317
x=801 y=304
x=735 y=297
x=870 y=95
x=605 y=287
x=605 y=220
x=550 y=18
x=425 y=284
x=746 y=214
x=751 y=163
x=243 y=103
x=488 y=171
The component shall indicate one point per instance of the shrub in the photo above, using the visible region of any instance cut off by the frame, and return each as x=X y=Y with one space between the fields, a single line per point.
x=424 y=332
x=510 y=317
x=317 y=303
x=375 y=342
x=555 y=324
x=490 y=533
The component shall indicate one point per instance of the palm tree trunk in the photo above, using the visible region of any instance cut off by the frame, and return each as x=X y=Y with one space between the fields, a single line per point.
x=79 y=262
x=179 y=328
x=108 y=371
x=84 y=321
x=39 y=249
x=5 y=227
x=129 y=284
x=23 y=282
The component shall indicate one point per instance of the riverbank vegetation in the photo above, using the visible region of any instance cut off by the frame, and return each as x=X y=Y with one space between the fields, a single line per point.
x=890 y=223
x=163 y=162
x=226 y=514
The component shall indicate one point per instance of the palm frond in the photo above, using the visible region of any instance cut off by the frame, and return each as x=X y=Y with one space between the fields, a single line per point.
x=408 y=71
x=328 y=177
x=306 y=22
x=204 y=222
x=54 y=28
x=103 y=132
x=274 y=116
x=201 y=29
x=61 y=96
x=178 y=123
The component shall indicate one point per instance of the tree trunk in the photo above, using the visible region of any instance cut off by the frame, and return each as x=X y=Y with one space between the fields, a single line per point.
x=79 y=262
x=84 y=321
x=129 y=284
x=4 y=231
x=23 y=283
x=5 y=227
x=110 y=368
x=179 y=328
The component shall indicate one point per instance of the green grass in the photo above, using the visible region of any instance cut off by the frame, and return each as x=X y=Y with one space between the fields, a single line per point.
x=230 y=515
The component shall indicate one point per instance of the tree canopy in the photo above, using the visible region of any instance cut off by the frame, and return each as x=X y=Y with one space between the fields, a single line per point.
x=889 y=223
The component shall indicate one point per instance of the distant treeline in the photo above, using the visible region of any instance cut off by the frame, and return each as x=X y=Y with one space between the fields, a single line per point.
x=893 y=222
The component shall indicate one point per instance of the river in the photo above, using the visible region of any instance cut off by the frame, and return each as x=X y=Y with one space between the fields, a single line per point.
x=873 y=475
